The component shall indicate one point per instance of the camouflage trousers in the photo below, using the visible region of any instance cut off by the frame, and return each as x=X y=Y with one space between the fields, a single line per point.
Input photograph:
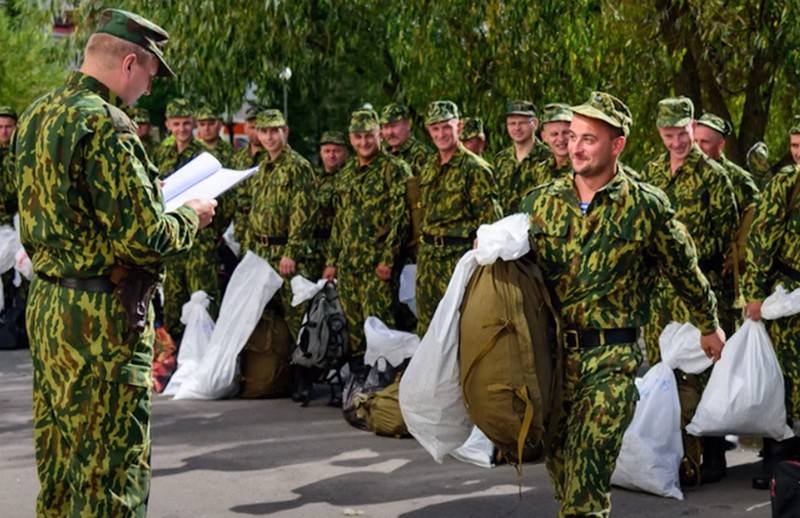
x=91 y=404
x=598 y=403
x=186 y=273
x=435 y=266
x=363 y=294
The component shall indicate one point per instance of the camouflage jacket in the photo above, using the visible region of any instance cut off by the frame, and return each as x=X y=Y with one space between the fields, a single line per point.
x=282 y=206
x=151 y=146
x=600 y=264
x=459 y=196
x=774 y=237
x=242 y=159
x=222 y=151
x=371 y=212
x=744 y=187
x=515 y=179
x=8 y=193
x=87 y=197
x=326 y=193
x=169 y=159
x=414 y=153
x=703 y=199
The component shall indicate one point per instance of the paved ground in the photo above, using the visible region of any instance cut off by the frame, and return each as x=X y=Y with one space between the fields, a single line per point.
x=272 y=458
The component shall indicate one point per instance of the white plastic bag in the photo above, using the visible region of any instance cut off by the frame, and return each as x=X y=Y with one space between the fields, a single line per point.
x=407 y=292
x=195 y=342
x=229 y=237
x=430 y=391
x=744 y=395
x=303 y=289
x=477 y=450
x=386 y=345
x=652 y=448
x=781 y=304
x=252 y=285
x=680 y=348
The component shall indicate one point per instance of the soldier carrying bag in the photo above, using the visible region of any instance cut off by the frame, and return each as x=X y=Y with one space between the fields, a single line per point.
x=510 y=360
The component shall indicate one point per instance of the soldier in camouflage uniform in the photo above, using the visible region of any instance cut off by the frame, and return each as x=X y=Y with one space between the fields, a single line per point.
x=283 y=210
x=704 y=201
x=197 y=268
x=208 y=127
x=458 y=194
x=89 y=207
x=144 y=130
x=515 y=166
x=472 y=135
x=596 y=237
x=333 y=154
x=773 y=258
x=8 y=194
x=398 y=140
x=246 y=157
x=758 y=163
x=555 y=133
x=370 y=224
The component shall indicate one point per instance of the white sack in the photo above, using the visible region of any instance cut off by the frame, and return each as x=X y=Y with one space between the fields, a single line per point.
x=680 y=348
x=781 y=304
x=229 y=237
x=199 y=326
x=744 y=395
x=477 y=450
x=252 y=285
x=430 y=391
x=303 y=289
x=386 y=344
x=407 y=293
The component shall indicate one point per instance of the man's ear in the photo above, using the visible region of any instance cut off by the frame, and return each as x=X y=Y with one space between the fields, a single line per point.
x=617 y=146
x=127 y=64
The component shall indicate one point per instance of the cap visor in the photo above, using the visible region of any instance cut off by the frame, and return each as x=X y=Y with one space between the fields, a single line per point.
x=436 y=120
x=680 y=123
x=163 y=68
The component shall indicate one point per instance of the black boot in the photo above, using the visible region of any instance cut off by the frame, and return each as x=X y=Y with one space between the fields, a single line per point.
x=714 y=467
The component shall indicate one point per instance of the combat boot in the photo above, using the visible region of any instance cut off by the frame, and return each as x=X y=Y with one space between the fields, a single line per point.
x=714 y=467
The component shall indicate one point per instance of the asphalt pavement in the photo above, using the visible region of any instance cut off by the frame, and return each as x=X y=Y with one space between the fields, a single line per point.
x=238 y=458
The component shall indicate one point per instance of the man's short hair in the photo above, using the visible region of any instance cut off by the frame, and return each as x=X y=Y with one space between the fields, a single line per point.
x=114 y=49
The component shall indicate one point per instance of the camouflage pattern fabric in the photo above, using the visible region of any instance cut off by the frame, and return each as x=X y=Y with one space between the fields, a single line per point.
x=88 y=202
x=413 y=152
x=197 y=268
x=543 y=172
x=226 y=203
x=243 y=159
x=744 y=186
x=283 y=206
x=8 y=192
x=515 y=179
x=599 y=266
x=457 y=198
x=775 y=238
x=222 y=151
x=368 y=229
x=327 y=194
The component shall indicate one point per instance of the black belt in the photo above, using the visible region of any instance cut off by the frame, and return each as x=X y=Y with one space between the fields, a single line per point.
x=787 y=270
x=447 y=240
x=322 y=235
x=101 y=284
x=271 y=240
x=584 y=338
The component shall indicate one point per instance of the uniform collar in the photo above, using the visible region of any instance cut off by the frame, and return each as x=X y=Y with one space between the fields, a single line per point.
x=616 y=189
x=82 y=81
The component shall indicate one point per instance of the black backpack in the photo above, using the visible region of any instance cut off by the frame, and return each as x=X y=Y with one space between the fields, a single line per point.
x=785 y=494
x=322 y=340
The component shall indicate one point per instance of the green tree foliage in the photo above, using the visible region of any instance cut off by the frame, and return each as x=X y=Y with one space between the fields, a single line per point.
x=737 y=58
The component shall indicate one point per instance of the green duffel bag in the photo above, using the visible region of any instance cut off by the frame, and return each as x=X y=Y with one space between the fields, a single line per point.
x=382 y=412
x=265 y=359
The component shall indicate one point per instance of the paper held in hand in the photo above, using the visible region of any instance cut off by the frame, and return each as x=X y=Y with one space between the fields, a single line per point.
x=203 y=178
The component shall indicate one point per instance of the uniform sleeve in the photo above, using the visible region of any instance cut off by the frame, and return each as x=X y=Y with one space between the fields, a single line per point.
x=333 y=246
x=396 y=213
x=483 y=195
x=673 y=249
x=127 y=203
x=303 y=211
x=723 y=215
x=766 y=234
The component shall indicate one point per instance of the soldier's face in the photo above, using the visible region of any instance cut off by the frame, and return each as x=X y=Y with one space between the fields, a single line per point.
x=181 y=128
x=365 y=143
x=445 y=134
x=7 y=126
x=142 y=129
x=396 y=133
x=136 y=78
x=273 y=139
x=678 y=141
x=332 y=156
x=521 y=127
x=794 y=147
x=593 y=147
x=475 y=144
x=710 y=141
x=556 y=135
x=208 y=130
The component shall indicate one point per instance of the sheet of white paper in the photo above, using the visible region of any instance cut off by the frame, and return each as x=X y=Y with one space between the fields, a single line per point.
x=211 y=187
x=199 y=168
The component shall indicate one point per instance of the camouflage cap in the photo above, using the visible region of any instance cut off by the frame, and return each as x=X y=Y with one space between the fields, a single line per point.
x=139 y=31
x=795 y=129
x=333 y=137
x=716 y=123
x=8 y=111
x=270 y=118
x=141 y=116
x=440 y=111
x=521 y=108
x=179 y=108
x=363 y=121
x=205 y=113
x=394 y=112
x=675 y=112
x=758 y=157
x=607 y=108
x=252 y=112
x=556 y=112
x=473 y=128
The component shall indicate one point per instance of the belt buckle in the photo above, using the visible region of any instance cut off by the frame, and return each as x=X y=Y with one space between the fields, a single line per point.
x=438 y=241
x=567 y=334
x=601 y=337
